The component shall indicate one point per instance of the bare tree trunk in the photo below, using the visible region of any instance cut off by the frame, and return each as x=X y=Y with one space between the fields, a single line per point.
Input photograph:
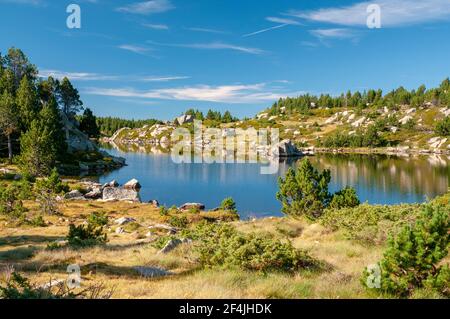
x=10 y=152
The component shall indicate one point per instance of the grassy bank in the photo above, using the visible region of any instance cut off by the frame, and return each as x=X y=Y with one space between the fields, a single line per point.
x=342 y=254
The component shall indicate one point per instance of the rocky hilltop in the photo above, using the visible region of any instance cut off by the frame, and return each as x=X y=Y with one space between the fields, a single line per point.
x=403 y=130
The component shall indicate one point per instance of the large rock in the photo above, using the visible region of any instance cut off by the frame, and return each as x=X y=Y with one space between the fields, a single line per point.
x=74 y=195
x=132 y=184
x=124 y=220
x=285 y=148
x=120 y=194
x=95 y=193
x=183 y=119
x=76 y=140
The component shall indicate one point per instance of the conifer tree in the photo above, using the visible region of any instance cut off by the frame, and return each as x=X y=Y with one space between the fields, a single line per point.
x=26 y=102
x=88 y=124
x=9 y=122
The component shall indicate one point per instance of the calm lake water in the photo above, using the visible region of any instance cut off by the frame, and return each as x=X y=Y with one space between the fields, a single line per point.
x=378 y=179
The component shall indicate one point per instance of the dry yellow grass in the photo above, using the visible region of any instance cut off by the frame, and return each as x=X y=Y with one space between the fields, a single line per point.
x=114 y=262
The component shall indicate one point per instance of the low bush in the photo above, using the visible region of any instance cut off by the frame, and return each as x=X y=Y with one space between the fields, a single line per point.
x=368 y=137
x=222 y=245
x=85 y=235
x=370 y=224
x=178 y=221
x=442 y=128
x=228 y=204
x=98 y=219
x=412 y=258
x=344 y=198
x=10 y=204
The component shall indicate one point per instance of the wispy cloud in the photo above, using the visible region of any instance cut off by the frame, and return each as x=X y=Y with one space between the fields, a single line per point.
x=26 y=2
x=134 y=48
x=147 y=7
x=393 y=13
x=213 y=46
x=76 y=76
x=89 y=76
x=156 y=26
x=206 y=30
x=283 y=23
x=337 y=33
x=253 y=93
x=162 y=78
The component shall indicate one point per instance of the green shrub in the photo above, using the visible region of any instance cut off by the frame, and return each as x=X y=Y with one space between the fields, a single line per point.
x=52 y=183
x=344 y=198
x=37 y=221
x=368 y=137
x=370 y=224
x=163 y=211
x=228 y=204
x=97 y=219
x=86 y=235
x=179 y=222
x=10 y=204
x=222 y=245
x=443 y=127
x=412 y=259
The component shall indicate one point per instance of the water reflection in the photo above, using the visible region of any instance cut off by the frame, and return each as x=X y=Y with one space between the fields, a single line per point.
x=378 y=179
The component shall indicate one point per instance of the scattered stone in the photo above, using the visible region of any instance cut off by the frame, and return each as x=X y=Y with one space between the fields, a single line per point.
x=411 y=110
x=188 y=206
x=359 y=122
x=171 y=245
x=94 y=194
x=124 y=220
x=151 y=272
x=74 y=195
x=172 y=230
x=112 y=183
x=405 y=119
x=154 y=203
x=119 y=230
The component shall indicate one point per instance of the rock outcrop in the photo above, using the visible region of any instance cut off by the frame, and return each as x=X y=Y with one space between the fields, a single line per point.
x=285 y=148
x=120 y=194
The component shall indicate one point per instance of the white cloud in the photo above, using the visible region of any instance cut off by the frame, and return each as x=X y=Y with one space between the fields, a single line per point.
x=283 y=21
x=241 y=93
x=337 y=33
x=134 y=48
x=213 y=46
x=148 y=7
x=156 y=26
x=29 y=2
x=163 y=78
x=207 y=30
x=76 y=76
x=393 y=13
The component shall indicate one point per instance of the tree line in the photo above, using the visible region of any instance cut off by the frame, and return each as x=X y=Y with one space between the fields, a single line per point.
x=212 y=116
x=31 y=111
x=400 y=96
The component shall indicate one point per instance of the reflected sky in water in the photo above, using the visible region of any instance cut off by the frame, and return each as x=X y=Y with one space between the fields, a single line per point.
x=378 y=179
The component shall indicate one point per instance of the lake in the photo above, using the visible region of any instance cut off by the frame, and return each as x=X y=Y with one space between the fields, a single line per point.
x=378 y=179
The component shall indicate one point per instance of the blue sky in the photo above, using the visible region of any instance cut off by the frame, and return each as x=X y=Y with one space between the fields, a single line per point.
x=142 y=59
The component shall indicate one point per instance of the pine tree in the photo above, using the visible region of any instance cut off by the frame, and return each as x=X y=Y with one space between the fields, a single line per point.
x=88 y=124
x=17 y=62
x=26 y=102
x=50 y=119
x=9 y=122
x=69 y=98
x=304 y=190
x=38 y=154
x=412 y=259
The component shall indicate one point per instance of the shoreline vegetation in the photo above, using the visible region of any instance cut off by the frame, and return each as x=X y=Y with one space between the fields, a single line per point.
x=328 y=245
